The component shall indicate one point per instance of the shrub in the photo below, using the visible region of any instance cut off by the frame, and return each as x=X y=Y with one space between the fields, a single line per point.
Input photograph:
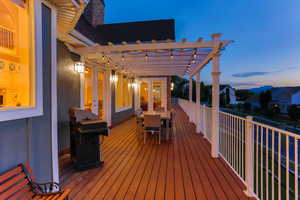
x=294 y=112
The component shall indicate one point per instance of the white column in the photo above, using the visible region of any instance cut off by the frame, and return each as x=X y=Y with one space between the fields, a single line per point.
x=82 y=90
x=150 y=97
x=215 y=100
x=249 y=157
x=190 y=99
x=197 y=108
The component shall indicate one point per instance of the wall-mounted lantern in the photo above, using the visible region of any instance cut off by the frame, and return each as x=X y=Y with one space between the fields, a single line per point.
x=79 y=67
x=114 y=78
x=172 y=86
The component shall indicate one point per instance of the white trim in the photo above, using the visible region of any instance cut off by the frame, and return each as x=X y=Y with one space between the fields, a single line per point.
x=54 y=121
x=7 y=114
x=164 y=88
x=123 y=109
x=84 y=39
x=82 y=81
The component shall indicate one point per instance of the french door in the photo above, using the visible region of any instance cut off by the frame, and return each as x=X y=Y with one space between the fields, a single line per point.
x=153 y=94
x=94 y=92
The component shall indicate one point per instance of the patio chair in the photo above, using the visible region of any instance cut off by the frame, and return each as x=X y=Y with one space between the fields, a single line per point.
x=152 y=123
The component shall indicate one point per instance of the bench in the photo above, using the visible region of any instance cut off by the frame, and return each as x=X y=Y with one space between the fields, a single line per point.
x=18 y=183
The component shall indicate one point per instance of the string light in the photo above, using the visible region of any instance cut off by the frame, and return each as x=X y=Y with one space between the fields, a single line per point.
x=193 y=61
x=171 y=55
x=195 y=54
x=146 y=56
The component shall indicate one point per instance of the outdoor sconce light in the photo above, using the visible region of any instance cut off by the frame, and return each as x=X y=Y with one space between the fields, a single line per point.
x=79 y=67
x=172 y=86
x=114 y=78
x=134 y=85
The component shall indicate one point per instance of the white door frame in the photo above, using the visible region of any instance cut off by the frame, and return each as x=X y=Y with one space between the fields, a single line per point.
x=106 y=92
x=54 y=121
x=150 y=81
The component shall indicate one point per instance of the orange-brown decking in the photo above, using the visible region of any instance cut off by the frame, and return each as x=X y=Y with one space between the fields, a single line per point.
x=179 y=169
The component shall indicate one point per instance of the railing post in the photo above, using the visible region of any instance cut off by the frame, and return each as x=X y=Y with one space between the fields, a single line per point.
x=204 y=121
x=249 y=157
x=190 y=99
x=197 y=105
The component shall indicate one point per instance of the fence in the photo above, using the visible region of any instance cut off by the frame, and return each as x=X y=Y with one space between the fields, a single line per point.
x=265 y=158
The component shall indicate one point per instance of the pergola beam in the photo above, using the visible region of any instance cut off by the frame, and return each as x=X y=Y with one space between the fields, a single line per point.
x=144 y=47
x=210 y=56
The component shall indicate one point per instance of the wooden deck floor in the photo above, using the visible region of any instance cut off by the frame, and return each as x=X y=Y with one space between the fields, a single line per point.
x=180 y=169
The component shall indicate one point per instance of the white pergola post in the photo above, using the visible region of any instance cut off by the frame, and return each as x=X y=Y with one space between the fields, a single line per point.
x=197 y=108
x=190 y=98
x=215 y=100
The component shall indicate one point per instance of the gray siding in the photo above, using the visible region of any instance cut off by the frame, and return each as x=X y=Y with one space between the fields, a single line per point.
x=68 y=92
x=117 y=117
x=30 y=139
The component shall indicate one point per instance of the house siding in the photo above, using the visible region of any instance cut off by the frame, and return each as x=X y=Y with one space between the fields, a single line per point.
x=29 y=140
x=68 y=92
x=296 y=98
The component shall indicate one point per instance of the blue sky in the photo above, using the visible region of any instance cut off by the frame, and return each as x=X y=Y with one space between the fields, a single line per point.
x=267 y=34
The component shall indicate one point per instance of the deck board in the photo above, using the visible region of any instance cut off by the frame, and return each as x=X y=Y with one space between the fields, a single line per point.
x=177 y=169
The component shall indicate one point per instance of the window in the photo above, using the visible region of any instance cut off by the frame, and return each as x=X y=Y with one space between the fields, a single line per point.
x=124 y=93
x=20 y=78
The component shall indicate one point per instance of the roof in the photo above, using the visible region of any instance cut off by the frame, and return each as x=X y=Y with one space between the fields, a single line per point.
x=280 y=95
x=130 y=32
x=283 y=95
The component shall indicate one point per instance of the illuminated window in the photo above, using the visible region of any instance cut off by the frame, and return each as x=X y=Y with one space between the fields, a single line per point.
x=124 y=93
x=17 y=63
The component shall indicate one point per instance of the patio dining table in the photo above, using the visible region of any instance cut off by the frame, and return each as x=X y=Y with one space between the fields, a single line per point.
x=165 y=118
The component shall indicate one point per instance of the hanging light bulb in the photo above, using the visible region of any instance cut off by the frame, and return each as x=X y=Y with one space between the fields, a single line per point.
x=195 y=55
x=146 y=56
x=171 y=55
x=123 y=58
x=193 y=61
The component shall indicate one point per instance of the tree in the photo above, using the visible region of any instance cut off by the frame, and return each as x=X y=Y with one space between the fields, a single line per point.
x=242 y=95
x=265 y=98
x=247 y=106
x=227 y=96
x=223 y=100
x=294 y=112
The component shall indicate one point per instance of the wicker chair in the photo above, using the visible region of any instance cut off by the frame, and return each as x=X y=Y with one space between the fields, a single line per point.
x=152 y=123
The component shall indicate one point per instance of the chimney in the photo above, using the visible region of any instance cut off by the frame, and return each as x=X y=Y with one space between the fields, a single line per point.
x=94 y=12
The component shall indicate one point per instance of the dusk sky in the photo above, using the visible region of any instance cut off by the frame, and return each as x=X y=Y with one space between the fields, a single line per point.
x=266 y=33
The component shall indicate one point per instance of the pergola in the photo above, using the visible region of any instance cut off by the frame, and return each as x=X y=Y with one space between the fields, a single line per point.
x=166 y=58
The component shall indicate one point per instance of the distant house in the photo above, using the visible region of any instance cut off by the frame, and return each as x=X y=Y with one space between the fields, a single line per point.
x=281 y=96
x=227 y=89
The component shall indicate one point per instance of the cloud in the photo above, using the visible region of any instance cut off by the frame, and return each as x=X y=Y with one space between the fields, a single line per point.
x=250 y=74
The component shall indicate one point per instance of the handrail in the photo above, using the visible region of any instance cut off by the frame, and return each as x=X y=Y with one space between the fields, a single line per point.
x=258 y=153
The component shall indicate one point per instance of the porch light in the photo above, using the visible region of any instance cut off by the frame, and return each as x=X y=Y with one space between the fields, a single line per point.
x=171 y=55
x=114 y=78
x=79 y=67
x=172 y=86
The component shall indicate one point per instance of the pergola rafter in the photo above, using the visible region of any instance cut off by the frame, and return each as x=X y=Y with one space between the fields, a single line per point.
x=165 y=58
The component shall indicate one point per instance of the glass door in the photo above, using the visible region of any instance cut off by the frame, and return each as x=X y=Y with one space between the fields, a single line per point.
x=157 y=96
x=144 y=90
x=94 y=91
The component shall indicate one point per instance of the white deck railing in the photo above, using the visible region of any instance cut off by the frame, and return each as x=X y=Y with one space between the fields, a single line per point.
x=265 y=158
